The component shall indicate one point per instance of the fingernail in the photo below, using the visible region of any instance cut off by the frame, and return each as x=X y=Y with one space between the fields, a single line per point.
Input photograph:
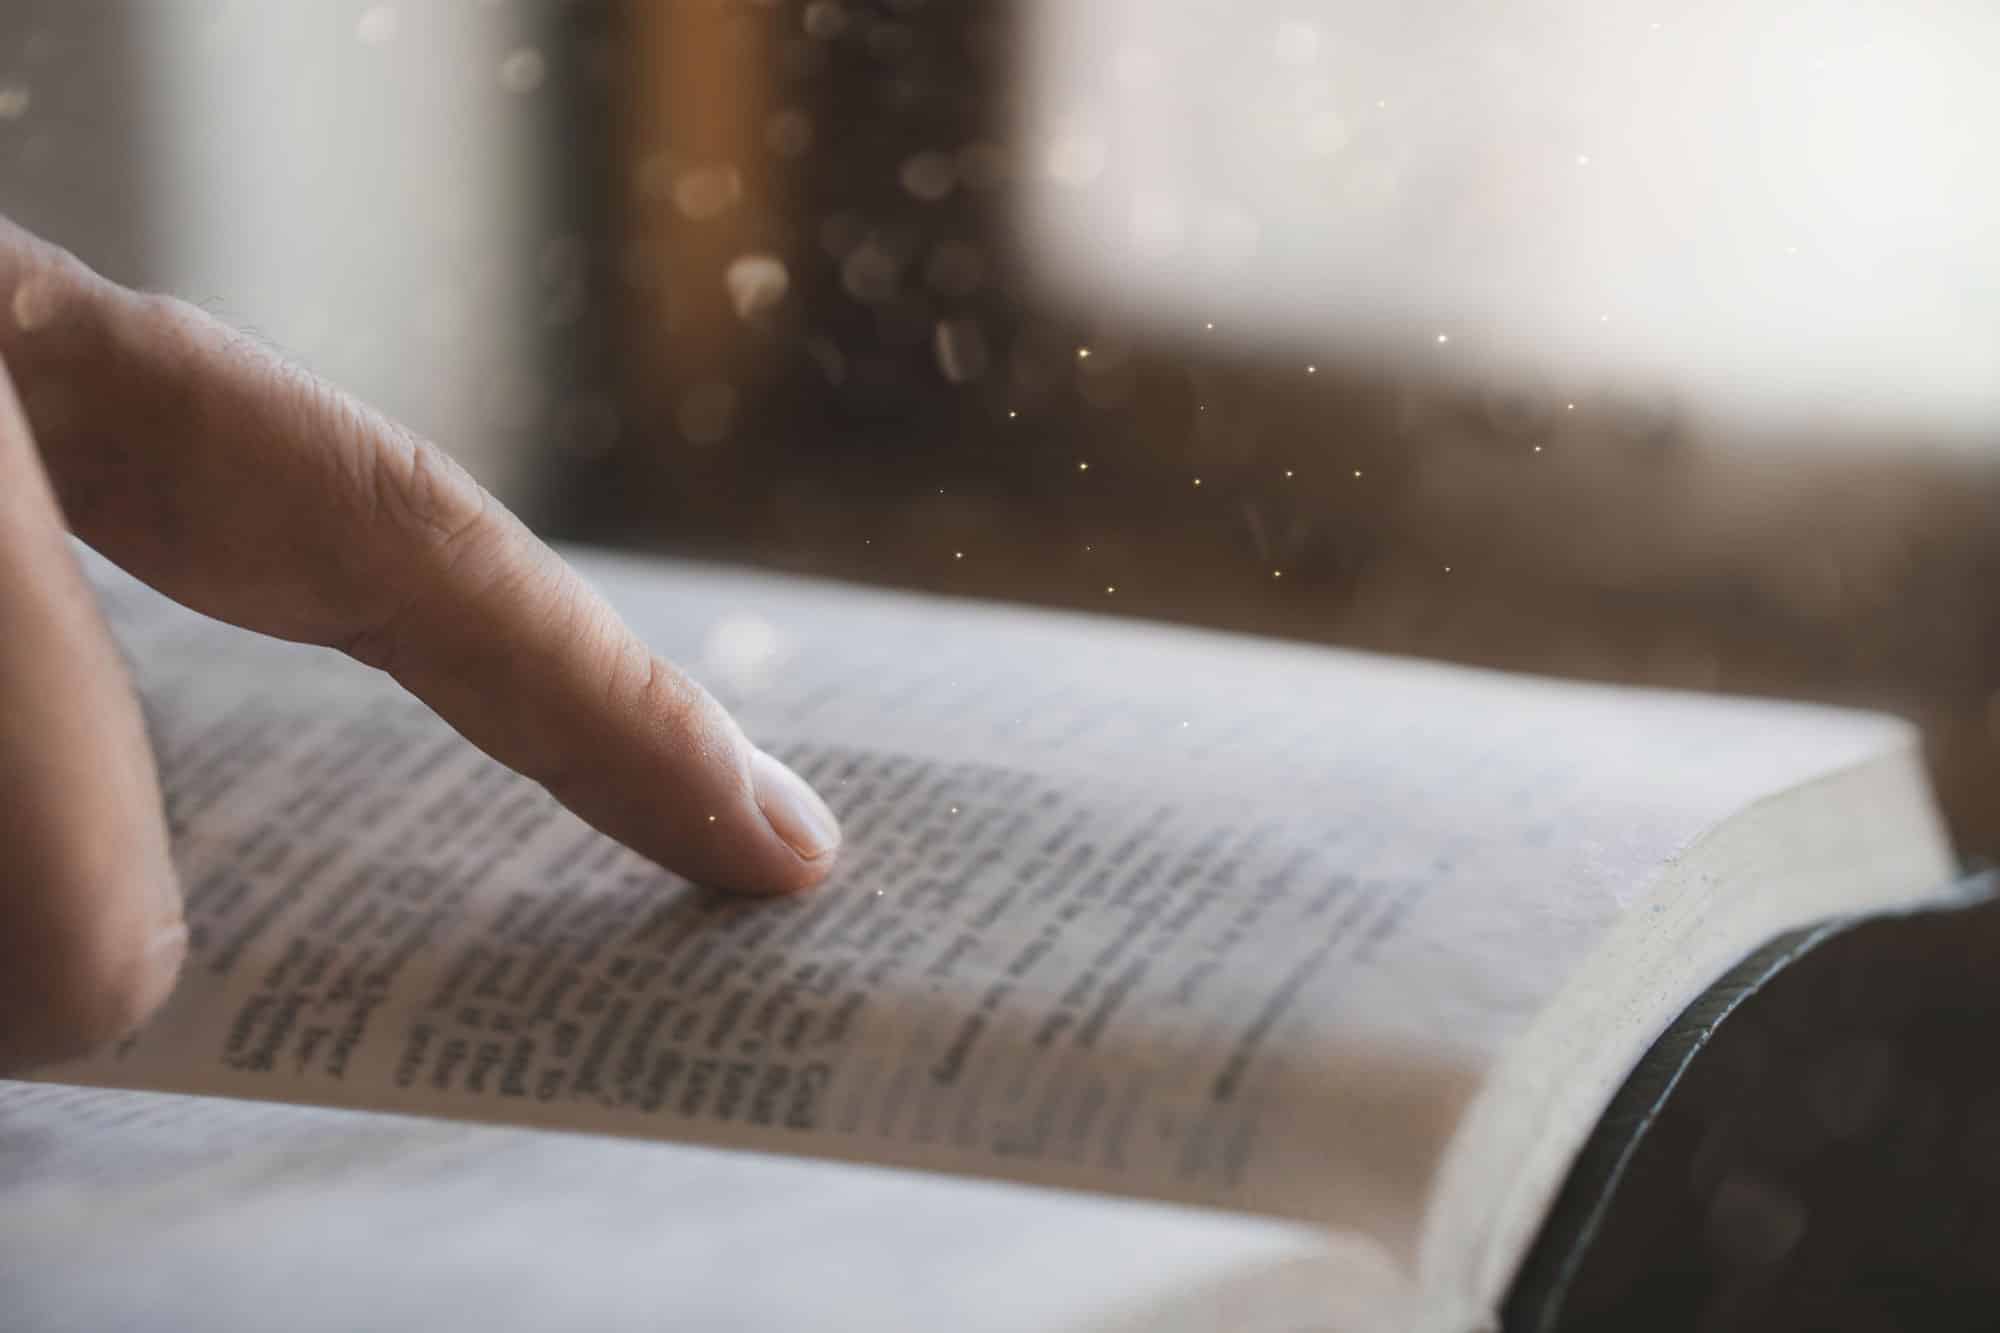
x=793 y=809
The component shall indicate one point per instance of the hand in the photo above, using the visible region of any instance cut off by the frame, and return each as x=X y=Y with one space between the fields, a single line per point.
x=252 y=492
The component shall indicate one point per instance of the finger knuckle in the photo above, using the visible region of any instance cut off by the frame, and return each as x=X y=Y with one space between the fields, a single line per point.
x=427 y=516
x=427 y=495
x=682 y=708
x=45 y=284
x=178 y=333
x=660 y=693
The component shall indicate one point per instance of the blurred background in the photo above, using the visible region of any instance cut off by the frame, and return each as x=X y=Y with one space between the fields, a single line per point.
x=1653 y=344
x=1647 y=343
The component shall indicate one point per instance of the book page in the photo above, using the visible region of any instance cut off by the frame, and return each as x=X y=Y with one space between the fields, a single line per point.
x=1125 y=908
x=145 y=1210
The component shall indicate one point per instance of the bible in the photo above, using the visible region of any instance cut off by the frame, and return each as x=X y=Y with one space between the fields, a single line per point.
x=1168 y=979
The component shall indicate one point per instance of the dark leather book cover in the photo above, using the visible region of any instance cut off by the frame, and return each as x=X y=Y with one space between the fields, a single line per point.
x=1814 y=1144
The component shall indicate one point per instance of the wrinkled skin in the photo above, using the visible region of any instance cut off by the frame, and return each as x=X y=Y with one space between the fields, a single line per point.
x=252 y=492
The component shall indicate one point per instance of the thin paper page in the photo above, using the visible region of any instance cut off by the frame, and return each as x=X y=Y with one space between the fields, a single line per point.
x=147 y=1210
x=1125 y=908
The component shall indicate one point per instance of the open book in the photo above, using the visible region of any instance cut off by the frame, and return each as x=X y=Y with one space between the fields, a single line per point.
x=1289 y=980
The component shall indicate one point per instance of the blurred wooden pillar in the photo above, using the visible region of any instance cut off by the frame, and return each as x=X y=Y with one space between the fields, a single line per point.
x=697 y=195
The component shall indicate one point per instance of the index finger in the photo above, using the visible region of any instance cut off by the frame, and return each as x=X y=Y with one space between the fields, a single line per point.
x=253 y=492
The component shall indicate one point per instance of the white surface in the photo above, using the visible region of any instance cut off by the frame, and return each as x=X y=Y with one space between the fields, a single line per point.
x=129 y=1211
x=1780 y=206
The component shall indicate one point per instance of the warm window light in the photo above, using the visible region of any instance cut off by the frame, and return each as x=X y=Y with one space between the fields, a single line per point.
x=1762 y=236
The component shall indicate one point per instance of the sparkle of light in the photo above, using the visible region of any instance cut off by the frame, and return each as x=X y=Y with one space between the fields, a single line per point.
x=1083 y=354
x=376 y=26
x=742 y=650
x=756 y=283
x=1444 y=337
x=522 y=70
x=929 y=176
x=1083 y=467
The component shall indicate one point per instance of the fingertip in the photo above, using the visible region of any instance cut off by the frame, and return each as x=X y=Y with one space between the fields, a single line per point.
x=791 y=880
x=812 y=873
x=722 y=815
